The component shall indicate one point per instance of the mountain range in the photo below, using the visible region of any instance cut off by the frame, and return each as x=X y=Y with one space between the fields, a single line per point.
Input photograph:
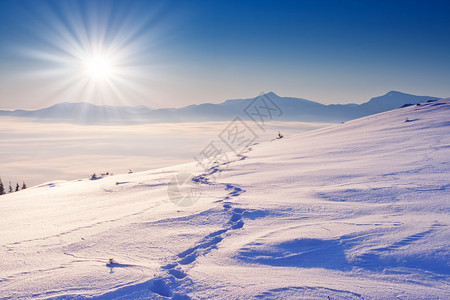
x=289 y=109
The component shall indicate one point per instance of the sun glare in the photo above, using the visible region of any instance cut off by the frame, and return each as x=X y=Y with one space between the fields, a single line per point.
x=98 y=67
x=90 y=55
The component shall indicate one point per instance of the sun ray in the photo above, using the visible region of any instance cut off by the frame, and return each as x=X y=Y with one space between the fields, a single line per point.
x=93 y=55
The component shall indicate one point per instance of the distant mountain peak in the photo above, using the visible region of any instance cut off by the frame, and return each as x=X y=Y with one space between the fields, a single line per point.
x=392 y=93
x=271 y=94
x=395 y=94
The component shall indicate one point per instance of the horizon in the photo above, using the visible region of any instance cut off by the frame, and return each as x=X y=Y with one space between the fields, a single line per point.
x=219 y=102
x=165 y=54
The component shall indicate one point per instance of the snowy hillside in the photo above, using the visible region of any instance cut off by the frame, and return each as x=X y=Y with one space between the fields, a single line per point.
x=359 y=209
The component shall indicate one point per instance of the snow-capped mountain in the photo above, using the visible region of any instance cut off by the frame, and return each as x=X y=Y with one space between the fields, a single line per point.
x=354 y=210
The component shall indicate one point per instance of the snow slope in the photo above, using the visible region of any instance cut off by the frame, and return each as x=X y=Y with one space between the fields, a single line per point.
x=355 y=210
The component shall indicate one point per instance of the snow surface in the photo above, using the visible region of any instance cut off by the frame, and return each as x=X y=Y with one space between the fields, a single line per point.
x=355 y=210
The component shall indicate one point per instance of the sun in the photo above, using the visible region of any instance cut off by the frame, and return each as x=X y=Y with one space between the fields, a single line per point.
x=98 y=67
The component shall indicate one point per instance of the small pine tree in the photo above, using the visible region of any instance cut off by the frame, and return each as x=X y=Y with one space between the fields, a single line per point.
x=17 y=187
x=2 y=188
x=10 y=188
x=24 y=186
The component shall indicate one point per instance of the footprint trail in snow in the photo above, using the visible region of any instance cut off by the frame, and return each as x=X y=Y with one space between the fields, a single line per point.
x=177 y=269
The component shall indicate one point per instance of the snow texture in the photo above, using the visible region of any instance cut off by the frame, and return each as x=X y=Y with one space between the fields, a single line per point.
x=355 y=210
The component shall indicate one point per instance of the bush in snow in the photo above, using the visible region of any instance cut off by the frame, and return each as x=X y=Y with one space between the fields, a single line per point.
x=2 y=188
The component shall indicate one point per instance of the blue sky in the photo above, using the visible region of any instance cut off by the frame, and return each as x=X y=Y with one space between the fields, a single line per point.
x=175 y=53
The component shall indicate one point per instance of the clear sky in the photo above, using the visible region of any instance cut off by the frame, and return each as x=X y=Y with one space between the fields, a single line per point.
x=175 y=53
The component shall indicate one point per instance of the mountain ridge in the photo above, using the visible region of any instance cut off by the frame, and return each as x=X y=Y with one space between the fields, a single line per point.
x=292 y=109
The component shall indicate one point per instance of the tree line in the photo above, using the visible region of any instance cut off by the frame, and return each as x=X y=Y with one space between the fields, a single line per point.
x=10 y=189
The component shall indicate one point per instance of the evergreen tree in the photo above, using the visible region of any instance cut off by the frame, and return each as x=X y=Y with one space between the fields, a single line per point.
x=10 y=188
x=17 y=187
x=24 y=186
x=2 y=188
